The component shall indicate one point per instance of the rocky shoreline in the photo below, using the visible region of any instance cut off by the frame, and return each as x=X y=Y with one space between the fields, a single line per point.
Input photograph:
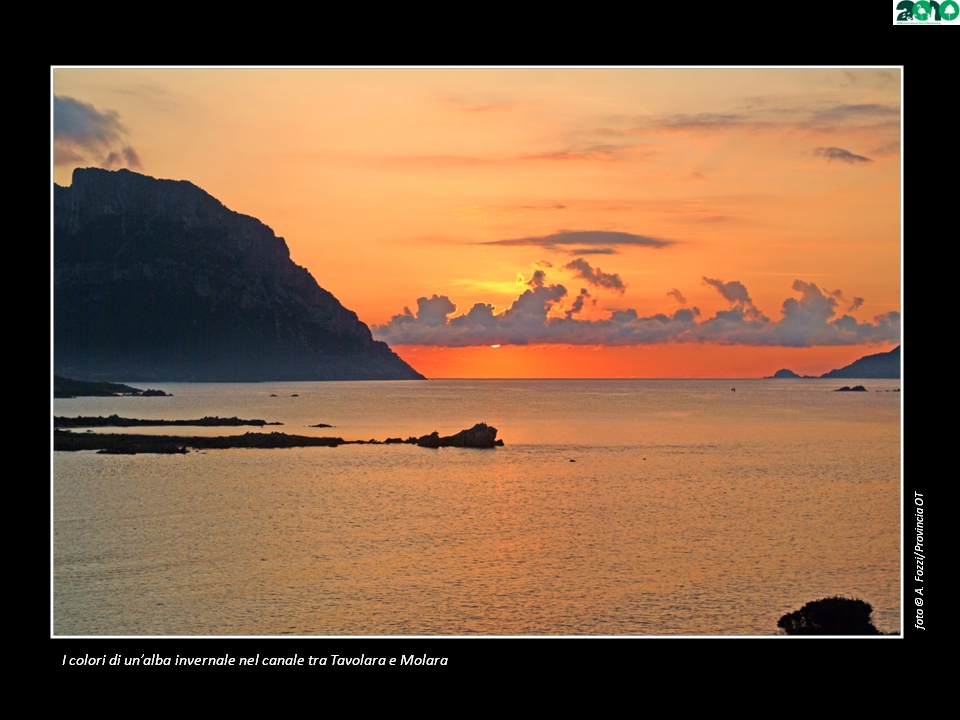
x=65 y=388
x=480 y=436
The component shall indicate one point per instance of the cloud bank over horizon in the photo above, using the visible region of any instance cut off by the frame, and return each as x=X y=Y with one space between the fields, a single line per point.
x=545 y=314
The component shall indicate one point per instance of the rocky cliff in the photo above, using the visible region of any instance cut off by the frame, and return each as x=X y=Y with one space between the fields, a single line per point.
x=157 y=280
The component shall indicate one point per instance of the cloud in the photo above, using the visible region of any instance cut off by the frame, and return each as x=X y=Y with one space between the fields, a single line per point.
x=477 y=105
x=736 y=292
x=539 y=315
x=538 y=279
x=838 y=294
x=83 y=134
x=764 y=114
x=593 y=251
x=711 y=121
x=678 y=296
x=154 y=95
x=430 y=312
x=81 y=123
x=125 y=158
x=890 y=148
x=834 y=153
x=594 y=152
x=586 y=241
x=578 y=303
x=581 y=269
x=855 y=114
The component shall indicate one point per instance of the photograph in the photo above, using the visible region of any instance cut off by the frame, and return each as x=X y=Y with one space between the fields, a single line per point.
x=476 y=351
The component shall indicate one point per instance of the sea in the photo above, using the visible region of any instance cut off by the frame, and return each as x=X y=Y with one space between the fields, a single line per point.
x=614 y=508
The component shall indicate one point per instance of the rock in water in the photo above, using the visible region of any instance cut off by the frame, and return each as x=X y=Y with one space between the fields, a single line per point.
x=430 y=441
x=157 y=280
x=480 y=435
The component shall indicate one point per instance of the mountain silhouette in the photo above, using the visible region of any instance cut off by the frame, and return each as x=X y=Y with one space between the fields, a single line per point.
x=882 y=365
x=157 y=280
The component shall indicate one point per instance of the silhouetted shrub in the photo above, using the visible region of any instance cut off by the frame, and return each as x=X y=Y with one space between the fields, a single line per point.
x=830 y=616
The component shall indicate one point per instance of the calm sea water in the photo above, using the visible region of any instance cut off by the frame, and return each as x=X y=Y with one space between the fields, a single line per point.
x=616 y=507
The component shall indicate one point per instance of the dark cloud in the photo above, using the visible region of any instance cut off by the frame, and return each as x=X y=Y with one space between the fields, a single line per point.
x=678 y=296
x=538 y=280
x=81 y=123
x=838 y=294
x=83 y=134
x=581 y=269
x=125 y=158
x=834 y=153
x=585 y=241
x=578 y=303
x=533 y=318
x=736 y=292
x=432 y=311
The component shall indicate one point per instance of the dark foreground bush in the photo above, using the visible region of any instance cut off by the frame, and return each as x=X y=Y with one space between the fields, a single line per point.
x=830 y=616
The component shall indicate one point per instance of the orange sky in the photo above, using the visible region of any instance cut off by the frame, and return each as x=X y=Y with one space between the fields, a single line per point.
x=386 y=183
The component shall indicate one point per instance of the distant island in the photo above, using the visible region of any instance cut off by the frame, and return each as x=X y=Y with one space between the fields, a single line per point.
x=155 y=280
x=880 y=366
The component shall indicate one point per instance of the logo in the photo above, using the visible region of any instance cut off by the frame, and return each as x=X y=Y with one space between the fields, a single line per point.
x=927 y=12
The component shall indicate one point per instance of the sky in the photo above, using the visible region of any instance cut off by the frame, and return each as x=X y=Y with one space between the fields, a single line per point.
x=554 y=222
